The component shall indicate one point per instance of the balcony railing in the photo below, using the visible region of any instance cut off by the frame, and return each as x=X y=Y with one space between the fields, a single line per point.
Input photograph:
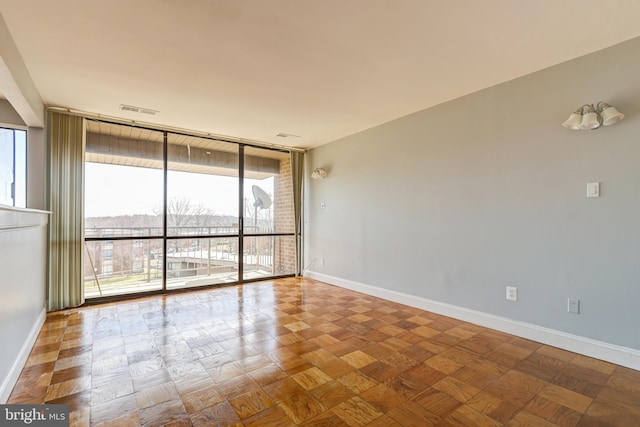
x=135 y=264
x=117 y=232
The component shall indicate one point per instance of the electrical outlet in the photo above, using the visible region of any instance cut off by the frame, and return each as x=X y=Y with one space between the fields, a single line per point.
x=321 y=261
x=593 y=189
x=512 y=293
x=573 y=305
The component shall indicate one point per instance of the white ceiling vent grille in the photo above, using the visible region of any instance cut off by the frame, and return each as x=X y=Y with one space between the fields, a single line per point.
x=133 y=109
x=287 y=135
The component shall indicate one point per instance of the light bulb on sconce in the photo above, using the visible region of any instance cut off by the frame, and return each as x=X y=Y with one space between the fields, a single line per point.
x=590 y=117
x=319 y=173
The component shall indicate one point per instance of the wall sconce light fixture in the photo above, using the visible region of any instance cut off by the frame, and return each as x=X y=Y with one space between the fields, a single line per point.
x=590 y=117
x=319 y=173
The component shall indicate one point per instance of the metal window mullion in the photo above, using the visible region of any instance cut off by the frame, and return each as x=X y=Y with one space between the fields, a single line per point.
x=240 y=213
x=200 y=236
x=269 y=234
x=13 y=172
x=165 y=203
x=121 y=238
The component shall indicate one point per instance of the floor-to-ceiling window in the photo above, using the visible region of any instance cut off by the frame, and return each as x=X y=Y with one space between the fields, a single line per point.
x=124 y=197
x=269 y=243
x=202 y=211
x=167 y=211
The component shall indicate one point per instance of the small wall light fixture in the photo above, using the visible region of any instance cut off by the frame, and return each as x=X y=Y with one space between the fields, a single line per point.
x=590 y=117
x=319 y=173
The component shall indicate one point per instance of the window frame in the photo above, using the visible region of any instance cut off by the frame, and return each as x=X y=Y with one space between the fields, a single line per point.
x=165 y=238
x=25 y=129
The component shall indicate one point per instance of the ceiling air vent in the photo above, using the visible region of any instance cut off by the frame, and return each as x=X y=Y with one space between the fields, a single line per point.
x=287 y=135
x=133 y=109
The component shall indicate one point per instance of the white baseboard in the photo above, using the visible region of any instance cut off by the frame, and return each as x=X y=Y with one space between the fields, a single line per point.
x=14 y=373
x=619 y=355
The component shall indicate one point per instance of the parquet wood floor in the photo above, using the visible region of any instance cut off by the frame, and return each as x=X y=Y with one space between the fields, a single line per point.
x=301 y=352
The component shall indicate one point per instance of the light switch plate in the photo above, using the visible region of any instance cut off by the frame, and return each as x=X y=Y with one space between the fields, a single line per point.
x=593 y=189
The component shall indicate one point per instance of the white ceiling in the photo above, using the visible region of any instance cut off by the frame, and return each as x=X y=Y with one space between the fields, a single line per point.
x=319 y=69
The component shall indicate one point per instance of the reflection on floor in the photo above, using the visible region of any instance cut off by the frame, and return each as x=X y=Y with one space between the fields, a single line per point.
x=300 y=352
x=123 y=287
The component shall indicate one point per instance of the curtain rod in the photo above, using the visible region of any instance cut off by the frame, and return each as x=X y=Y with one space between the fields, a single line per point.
x=96 y=116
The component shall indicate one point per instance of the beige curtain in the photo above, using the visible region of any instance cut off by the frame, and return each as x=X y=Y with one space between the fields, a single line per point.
x=66 y=141
x=297 y=171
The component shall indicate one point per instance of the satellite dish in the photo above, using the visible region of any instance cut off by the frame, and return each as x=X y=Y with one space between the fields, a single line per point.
x=263 y=200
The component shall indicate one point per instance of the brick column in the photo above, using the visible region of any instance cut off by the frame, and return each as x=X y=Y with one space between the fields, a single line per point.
x=285 y=247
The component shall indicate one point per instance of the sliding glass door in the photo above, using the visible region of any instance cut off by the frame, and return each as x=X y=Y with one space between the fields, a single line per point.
x=202 y=212
x=166 y=211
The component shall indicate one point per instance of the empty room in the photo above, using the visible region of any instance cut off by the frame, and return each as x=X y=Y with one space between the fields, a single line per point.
x=336 y=213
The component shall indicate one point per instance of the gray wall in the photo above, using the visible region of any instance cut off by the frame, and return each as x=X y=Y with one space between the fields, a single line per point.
x=22 y=258
x=36 y=168
x=23 y=247
x=455 y=202
x=9 y=116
